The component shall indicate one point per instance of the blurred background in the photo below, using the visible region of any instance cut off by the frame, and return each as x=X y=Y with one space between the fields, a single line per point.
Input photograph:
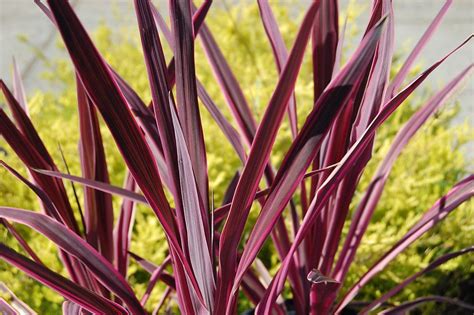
x=26 y=33
x=431 y=164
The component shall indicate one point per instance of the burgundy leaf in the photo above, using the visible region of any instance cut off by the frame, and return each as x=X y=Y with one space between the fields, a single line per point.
x=160 y=91
x=407 y=306
x=123 y=228
x=11 y=229
x=229 y=85
x=221 y=212
x=48 y=206
x=162 y=145
x=106 y=96
x=229 y=131
x=71 y=308
x=304 y=148
x=76 y=271
x=439 y=261
x=74 y=245
x=325 y=39
x=164 y=109
x=340 y=45
x=15 y=301
x=24 y=123
x=254 y=290
x=136 y=105
x=364 y=211
x=162 y=301
x=460 y=193
x=151 y=268
x=90 y=301
x=145 y=264
x=18 y=88
x=27 y=144
x=147 y=122
x=99 y=215
x=280 y=53
x=155 y=275
x=186 y=93
x=257 y=161
x=197 y=232
x=328 y=187
x=198 y=20
x=403 y=72
x=323 y=291
x=6 y=309
x=98 y=186
x=370 y=103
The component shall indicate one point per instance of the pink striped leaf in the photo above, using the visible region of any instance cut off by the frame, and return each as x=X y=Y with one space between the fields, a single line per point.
x=365 y=209
x=460 y=193
x=70 y=290
x=107 y=97
x=344 y=166
x=258 y=159
x=407 y=306
x=98 y=211
x=304 y=148
x=74 y=245
x=439 y=261
x=280 y=54
x=403 y=72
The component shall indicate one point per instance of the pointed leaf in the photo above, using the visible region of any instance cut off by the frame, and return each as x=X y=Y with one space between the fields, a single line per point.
x=460 y=193
x=160 y=91
x=164 y=107
x=24 y=244
x=24 y=123
x=325 y=39
x=228 y=130
x=403 y=72
x=344 y=166
x=155 y=275
x=258 y=158
x=280 y=53
x=186 y=92
x=18 y=88
x=229 y=85
x=105 y=94
x=364 y=211
x=373 y=98
x=197 y=241
x=305 y=146
x=27 y=144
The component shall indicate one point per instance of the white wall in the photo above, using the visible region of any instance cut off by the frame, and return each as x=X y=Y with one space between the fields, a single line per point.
x=412 y=16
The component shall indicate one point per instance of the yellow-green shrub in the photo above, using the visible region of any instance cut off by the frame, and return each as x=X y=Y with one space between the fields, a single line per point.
x=427 y=168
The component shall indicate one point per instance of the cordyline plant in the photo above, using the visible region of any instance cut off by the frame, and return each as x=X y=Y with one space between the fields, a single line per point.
x=163 y=147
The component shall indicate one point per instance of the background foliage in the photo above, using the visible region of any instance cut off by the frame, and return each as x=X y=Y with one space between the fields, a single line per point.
x=431 y=163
